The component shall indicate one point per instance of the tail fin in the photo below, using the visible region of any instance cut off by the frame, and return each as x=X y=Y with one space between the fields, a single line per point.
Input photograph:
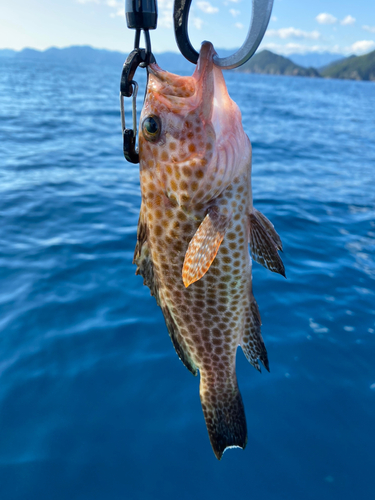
x=225 y=416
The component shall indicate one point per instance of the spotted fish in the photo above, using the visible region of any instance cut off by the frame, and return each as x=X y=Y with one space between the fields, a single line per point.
x=196 y=222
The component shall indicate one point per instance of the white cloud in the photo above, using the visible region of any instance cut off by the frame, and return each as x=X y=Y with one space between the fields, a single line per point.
x=360 y=47
x=284 y=33
x=363 y=46
x=273 y=18
x=348 y=20
x=118 y=13
x=371 y=29
x=165 y=14
x=117 y=6
x=207 y=7
x=298 y=48
x=164 y=21
x=234 y=12
x=325 y=18
x=197 y=22
x=240 y=26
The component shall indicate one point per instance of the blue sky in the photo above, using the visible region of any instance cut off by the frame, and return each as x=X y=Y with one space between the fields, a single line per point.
x=297 y=26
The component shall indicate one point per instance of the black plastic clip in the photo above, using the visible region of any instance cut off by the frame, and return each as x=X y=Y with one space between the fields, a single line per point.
x=134 y=59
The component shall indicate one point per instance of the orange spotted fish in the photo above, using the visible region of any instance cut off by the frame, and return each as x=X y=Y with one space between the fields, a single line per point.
x=196 y=222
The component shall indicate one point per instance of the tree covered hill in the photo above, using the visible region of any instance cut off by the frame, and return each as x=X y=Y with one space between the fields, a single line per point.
x=352 y=68
x=266 y=62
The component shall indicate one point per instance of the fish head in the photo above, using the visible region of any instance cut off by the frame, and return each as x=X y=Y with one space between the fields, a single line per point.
x=190 y=135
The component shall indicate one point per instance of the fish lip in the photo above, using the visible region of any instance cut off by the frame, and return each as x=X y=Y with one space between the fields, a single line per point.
x=194 y=92
x=155 y=69
x=205 y=61
x=204 y=64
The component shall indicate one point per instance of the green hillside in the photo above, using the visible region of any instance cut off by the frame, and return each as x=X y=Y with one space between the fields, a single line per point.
x=352 y=68
x=268 y=63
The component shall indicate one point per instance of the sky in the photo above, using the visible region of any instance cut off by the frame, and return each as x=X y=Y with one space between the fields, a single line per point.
x=297 y=26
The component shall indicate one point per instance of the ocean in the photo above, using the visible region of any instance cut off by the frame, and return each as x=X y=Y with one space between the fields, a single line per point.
x=94 y=402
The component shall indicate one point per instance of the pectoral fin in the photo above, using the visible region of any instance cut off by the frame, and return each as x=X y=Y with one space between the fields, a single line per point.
x=265 y=242
x=204 y=246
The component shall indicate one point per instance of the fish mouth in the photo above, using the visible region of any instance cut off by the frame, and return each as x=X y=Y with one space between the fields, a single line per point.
x=205 y=61
x=171 y=85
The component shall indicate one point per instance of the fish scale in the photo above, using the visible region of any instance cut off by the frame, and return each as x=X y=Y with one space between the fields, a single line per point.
x=195 y=225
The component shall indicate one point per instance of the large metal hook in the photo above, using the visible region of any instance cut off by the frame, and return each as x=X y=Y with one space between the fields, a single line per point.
x=259 y=21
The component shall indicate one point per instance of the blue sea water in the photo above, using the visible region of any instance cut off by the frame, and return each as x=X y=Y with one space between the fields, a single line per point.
x=94 y=402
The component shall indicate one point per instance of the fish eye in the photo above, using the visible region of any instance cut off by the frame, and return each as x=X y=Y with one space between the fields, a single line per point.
x=151 y=128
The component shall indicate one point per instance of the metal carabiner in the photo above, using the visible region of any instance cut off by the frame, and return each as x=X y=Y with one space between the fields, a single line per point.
x=259 y=21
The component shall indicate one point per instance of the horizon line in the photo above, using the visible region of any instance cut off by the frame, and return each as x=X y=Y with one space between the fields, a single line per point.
x=171 y=51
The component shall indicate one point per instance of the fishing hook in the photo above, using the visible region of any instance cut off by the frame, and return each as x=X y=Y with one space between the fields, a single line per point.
x=261 y=14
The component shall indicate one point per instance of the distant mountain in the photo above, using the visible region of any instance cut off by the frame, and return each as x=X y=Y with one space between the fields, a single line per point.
x=6 y=53
x=352 y=68
x=266 y=62
x=74 y=54
x=314 y=59
x=81 y=54
x=263 y=62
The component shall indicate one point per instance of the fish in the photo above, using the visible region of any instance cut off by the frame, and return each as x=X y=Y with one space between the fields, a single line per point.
x=196 y=223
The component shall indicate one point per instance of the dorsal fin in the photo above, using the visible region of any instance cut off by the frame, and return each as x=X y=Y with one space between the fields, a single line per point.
x=204 y=246
x=252 y=341
x=270 y=228
x=264 y=243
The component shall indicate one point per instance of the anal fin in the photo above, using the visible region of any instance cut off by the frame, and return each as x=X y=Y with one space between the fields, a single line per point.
x=204 y=246
x=265 y=243
x=177 y=341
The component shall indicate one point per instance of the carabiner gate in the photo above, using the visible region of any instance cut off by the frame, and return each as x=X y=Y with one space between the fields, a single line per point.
x=129 y=135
